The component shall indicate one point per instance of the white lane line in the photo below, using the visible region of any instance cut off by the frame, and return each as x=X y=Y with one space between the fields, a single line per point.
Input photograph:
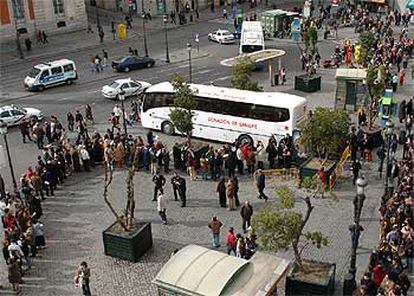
x=62 y=99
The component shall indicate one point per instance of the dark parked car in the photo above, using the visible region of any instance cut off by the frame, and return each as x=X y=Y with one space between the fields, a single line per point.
x=132 y=63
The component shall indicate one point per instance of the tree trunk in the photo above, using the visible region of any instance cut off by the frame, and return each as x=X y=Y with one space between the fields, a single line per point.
x=189 y=139
x=108 y=181
x=295 y=241
x=130 y=206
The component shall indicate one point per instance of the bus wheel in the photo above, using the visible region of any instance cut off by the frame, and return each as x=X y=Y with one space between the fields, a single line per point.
x=69 y=81
x=245 y=139
x=167 y=128
x=40 y=88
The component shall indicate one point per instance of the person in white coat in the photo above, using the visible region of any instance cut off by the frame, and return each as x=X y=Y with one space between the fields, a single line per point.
x=162 y=203
x=261 y=155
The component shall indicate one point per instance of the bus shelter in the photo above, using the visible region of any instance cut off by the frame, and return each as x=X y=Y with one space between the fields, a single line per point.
x=198 y=271
x=261 y=56
x=350 y=91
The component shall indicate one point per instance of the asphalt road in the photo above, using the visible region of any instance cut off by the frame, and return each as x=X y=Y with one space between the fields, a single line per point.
x=59 y=100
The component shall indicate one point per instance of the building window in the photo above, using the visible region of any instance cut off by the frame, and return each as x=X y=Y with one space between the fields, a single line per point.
x=18 y=9
x=58 y=6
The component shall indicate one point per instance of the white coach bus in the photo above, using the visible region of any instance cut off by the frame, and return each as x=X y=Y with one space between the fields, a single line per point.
x=226 y=114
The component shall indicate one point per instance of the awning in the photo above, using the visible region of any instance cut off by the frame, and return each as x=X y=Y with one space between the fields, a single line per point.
x=375 y=1
x=351 y=73
x=196 y=270
x=257 y=56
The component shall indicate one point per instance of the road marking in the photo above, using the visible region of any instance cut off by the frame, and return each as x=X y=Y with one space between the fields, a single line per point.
x=204 y=71
x=63 y=99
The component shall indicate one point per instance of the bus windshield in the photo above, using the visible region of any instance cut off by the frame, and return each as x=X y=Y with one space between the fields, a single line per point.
x=34 y=72
x=246 y=48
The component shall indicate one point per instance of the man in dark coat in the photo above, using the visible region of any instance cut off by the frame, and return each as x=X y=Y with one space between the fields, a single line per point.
x=159 y=182
x=246 y=213
x=261 y=185
x=179 y=186
x=24 y=129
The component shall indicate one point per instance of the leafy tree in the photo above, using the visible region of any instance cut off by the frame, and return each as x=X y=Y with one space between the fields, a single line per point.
x=367 y=42
x=280 y=226
x=241 y=72
x=375 y=83
x=184 y=103
x=325 y=133
x=311 y=39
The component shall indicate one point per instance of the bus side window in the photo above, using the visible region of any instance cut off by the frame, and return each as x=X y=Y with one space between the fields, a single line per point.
x=44 y=74
x=56 y=70
x=68 y=68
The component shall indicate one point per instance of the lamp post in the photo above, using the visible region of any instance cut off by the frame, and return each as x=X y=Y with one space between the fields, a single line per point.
x=121 y=97
x=143 y=28
x=3 y=131
x=19 y=46
x=389 y=131
x=98 y=22
x=355 y=229
x=167 y=54
x=189 y=63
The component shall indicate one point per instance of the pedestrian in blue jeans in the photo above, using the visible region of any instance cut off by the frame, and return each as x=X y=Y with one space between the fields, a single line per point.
x=215 y=226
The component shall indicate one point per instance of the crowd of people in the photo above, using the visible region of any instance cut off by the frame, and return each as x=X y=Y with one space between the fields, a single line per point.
x=392 y=258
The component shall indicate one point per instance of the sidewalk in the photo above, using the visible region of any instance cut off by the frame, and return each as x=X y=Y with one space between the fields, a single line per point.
x=80 y=40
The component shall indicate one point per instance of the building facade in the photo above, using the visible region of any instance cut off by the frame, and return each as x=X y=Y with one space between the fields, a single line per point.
x=155 y=7
x=51 y=16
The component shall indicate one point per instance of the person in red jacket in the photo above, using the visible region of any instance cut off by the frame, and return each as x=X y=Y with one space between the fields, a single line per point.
x=231 y=241
x=379 y=274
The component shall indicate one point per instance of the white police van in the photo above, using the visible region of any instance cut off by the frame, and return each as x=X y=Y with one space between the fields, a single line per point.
x=51 y=74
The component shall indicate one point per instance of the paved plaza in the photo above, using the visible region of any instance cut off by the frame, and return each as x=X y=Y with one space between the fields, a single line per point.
x=75 y=218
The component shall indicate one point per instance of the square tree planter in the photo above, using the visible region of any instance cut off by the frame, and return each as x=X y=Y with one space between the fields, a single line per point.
x=307 y=84
x=319 y=281
x=127 y=245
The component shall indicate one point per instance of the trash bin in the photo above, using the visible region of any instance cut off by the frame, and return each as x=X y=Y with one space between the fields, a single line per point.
x=276 y=79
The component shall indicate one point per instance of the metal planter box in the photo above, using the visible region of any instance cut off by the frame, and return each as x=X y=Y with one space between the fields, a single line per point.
x=307 y=84
x=128 y=245
x=324 y=286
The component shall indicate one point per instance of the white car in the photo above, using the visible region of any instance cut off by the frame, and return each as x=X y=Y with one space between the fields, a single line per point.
x=128 y=85
x=222 y=37
x=12 y=115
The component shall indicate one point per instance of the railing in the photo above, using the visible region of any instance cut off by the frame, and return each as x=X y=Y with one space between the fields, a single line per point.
x=285 y=174
x=339 y=168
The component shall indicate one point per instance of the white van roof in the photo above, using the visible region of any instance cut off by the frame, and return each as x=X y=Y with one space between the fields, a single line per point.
x=54 y=63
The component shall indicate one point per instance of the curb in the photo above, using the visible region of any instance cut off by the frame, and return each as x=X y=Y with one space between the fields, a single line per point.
x=17 y=61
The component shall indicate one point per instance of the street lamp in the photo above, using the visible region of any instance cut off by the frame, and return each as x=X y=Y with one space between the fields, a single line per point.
x=167 y=55
x=355 y=229
x=189 y=63
x=3 y=131
x=143 y=28
x=389 y=131
x=19 y=46
x=121 y=97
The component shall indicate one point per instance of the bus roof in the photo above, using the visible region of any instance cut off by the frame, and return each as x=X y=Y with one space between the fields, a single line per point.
x=276 y=99
x=251 y=26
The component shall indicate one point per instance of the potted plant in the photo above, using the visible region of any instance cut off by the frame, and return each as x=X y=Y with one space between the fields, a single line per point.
x=309 y=82
x=324 y=134
x=126 y=238
x=281 y=227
